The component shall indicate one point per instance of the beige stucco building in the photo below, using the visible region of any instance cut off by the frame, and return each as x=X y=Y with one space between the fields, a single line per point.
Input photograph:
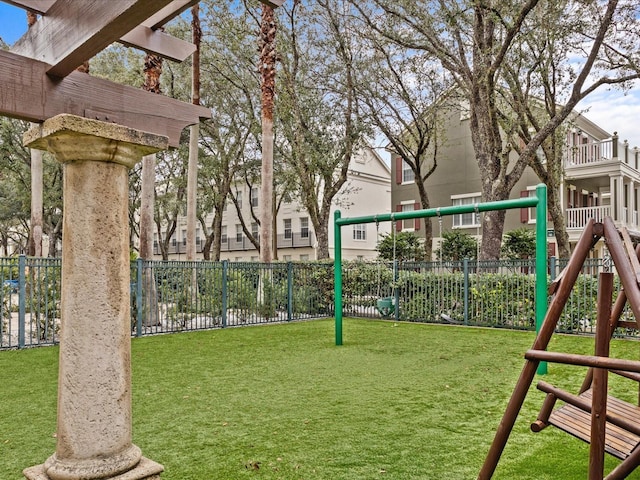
x=366 y=192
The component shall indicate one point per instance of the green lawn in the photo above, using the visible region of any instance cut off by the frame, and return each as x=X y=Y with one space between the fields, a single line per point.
x=396 y=401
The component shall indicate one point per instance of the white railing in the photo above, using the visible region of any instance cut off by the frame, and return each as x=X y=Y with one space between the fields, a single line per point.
x=589 y=153
x=578 y=217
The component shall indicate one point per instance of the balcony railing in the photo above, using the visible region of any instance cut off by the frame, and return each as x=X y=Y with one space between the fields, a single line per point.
x=589 y=153
x=605 y=150
x=578 y=217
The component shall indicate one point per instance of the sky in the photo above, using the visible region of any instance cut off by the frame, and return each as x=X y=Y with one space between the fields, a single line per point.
x=611 y=110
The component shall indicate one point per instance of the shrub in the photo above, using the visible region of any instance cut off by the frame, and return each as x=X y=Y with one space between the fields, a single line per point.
x=519 y=243
x=456 y=246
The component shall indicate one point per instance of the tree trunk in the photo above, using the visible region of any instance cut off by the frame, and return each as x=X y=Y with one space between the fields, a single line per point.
x=35 y=238
x=267 y=71
x=152 y=71
x=217 y=233
x=557 y=217
x=487 y=144
x=192 y=187
x=322 y=239
x=194 y=133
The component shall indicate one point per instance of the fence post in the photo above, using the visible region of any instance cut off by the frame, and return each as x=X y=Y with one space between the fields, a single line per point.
x=22 y=299
x=465 y=269
x=289 y=291
x=614 y=145
x=139 y=302
x=552 y=267
x=225 y=266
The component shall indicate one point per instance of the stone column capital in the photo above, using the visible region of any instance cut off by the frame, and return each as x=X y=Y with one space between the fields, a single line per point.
x=71 y=138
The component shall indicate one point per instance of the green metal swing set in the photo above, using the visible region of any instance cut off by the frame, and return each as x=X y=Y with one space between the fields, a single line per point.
x=539 y=202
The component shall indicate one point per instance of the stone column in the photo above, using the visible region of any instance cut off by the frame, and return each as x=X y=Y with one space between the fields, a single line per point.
x=94 y=425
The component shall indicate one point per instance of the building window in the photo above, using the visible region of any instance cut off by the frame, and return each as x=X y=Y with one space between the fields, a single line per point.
x=254 y=230
x=287 y=258
x=408 y=224
x=531 y=211
x=407 y=174
x=239 y=199
x=254 y=196
x=287 y=228
x=238 y=233
x=466 y=220
x=223 y=234
x=304 y=227
x=304 y=257
x=360 y=231
x=184 y=237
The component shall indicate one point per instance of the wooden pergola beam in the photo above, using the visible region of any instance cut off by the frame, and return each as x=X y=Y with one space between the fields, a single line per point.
x=38 y=6
x=28 y=93
x=73 y=31
x=164 y=15
x=158 y=43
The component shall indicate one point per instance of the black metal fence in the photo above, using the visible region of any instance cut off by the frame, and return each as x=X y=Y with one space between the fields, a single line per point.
x=492 y=293
x=178 y=296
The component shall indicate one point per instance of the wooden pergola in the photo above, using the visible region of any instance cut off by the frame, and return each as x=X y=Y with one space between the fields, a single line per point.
x=38 y=78
x=98 y=130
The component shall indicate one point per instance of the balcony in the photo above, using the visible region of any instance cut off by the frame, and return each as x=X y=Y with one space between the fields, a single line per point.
x=292 y=240
x=178 y=247
x=594 y=153
x=577 y=218
x=242 y=243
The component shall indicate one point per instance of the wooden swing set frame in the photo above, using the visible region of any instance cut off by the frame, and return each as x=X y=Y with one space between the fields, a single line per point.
x=608 y=424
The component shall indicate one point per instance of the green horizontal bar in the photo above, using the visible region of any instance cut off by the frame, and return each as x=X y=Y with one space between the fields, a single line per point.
x=525 y=202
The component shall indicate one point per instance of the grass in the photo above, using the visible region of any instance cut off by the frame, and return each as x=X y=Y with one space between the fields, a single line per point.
x=396 y=401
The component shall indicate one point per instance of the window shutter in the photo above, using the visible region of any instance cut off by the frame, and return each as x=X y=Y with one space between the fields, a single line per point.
x=524 y=212
x=416 y=223
x=398 y=171
x=398 y=222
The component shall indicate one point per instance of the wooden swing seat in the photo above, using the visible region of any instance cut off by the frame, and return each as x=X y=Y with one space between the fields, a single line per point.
x=619 y=442
x=575 y=418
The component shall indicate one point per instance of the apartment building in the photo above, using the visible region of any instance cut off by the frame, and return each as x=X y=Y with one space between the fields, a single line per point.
x=601 y=178
x=366 y=192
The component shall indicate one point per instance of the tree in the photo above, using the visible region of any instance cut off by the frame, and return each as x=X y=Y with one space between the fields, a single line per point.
x=152 y=72
x=472 y=42
x=194 y=134
x=15 y=183
x=401 y=246
x=519 y=243
x=456 y=246
x=170 y=195
x=231 y=88
x=320 y=122
x=267 y=72
x=403 y=94
x=35 y=235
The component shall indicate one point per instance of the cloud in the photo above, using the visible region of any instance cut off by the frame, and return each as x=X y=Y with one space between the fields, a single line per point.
x=615 y=111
